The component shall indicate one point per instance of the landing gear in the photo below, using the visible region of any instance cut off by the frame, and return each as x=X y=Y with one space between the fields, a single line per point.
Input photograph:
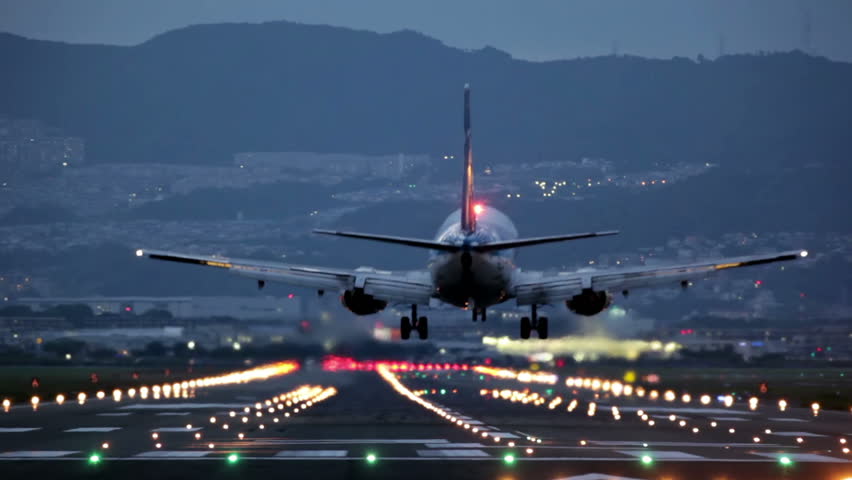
x=539 y=324
x=478 y=312
x=421 y=325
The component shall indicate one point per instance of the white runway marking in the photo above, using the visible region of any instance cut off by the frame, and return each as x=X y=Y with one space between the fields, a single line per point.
x=456 y=452
x=731 y=419
x=454 y=445
x=786 y=420
x=176 y=429
x=114 y=414
x=172 y=414
x=797 y=434
x=661 y=454
x=805 y=457
x=18 y=429
x=681 y=444
x=503 y=435
x=37 y=453
x=597 y=476
x=92 y=429
x=345 y=441
x=676 y=410
x=312 y=453
x=173 y=454
x=182 y=406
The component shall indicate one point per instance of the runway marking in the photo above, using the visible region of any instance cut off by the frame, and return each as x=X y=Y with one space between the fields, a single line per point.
x=37 y=453
x=454 y=445
x=312 y=453
x=454 y=452
x=173 y=454
x=18 y=429
x=175 y=429
x=345 y=441
x=732 y=419
x=92 y=429
x=172 y=414
x=681 y=444
x=114 y=414
x=797 y=434
x=597 y=476
x=661 y=454
x=503 y=435
x=707 y=410
x=786 y=420
x=805 y=457
x=666 y=417
x=181 y=406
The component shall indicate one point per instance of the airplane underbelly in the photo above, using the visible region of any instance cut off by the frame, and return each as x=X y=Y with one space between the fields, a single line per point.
x=480 y=278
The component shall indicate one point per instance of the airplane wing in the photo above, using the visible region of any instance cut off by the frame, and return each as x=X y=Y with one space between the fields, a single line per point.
x=413 y=287
x=537 y=288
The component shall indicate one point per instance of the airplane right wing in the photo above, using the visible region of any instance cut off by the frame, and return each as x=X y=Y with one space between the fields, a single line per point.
x=412 y=287
x=537 y=288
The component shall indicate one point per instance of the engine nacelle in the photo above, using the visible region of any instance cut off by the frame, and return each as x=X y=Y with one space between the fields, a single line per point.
x=589 y=302
x=360 y=303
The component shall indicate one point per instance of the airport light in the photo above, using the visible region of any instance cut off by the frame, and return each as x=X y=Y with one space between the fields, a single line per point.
x=647 y=460
x=508 y=459
x=371 y=458
x=233 y=458
x=785 y=461
x=7 y=404
x=94 y=459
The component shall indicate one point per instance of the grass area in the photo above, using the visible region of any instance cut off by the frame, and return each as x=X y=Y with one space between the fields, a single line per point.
x=16 y=382
x=831 y=387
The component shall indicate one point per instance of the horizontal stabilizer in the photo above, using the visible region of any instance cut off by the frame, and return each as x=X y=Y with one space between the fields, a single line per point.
x=411 y=242
x=525 y=242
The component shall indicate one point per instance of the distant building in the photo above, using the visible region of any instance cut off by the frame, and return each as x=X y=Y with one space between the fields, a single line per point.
x=29 y=147
x=392 y=167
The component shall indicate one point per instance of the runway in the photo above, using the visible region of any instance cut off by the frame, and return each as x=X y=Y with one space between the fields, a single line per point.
x=350 y=420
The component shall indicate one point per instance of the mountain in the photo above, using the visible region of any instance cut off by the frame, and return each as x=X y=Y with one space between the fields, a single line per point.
x=201 y=93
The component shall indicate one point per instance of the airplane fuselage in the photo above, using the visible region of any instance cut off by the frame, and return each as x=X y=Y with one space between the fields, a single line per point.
x=472 y=279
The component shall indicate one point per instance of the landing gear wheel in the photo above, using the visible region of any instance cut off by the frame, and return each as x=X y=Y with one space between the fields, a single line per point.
x=405 y=328
x=423 y=328
x=541 y=327
x=526 y=327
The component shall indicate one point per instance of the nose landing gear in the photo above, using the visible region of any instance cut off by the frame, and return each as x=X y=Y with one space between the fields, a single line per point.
x=539 y=324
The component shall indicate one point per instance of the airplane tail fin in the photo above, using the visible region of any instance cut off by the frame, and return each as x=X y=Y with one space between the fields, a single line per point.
x=468 y=215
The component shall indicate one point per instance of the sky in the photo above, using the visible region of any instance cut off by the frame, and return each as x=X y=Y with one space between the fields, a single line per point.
x=539 y=30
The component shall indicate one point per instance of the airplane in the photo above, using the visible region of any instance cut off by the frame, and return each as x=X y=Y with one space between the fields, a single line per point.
x=471 y=266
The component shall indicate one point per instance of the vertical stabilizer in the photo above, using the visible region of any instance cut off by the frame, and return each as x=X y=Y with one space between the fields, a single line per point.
x=468 y=216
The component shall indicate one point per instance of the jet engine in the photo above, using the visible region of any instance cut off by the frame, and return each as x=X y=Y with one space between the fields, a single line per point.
x=589 y=302
x=360 y=303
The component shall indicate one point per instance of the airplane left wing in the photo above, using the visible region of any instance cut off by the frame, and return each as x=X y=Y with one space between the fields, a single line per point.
x=412 y=287
x=537 y=288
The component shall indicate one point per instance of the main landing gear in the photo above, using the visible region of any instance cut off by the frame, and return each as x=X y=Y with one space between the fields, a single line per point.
x=539 y=324
x=478 y=312
x=421 y=325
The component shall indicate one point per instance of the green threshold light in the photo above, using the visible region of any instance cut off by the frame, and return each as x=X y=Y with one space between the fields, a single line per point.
x=233 y=458
x=371 y=458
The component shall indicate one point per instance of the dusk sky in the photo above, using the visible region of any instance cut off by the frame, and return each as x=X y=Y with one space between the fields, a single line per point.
x=540 y=30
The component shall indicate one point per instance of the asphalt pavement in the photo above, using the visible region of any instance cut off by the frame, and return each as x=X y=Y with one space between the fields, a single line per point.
x=424 y=424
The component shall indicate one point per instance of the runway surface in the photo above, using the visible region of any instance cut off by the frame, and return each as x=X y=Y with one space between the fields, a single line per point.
x=400 y=420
